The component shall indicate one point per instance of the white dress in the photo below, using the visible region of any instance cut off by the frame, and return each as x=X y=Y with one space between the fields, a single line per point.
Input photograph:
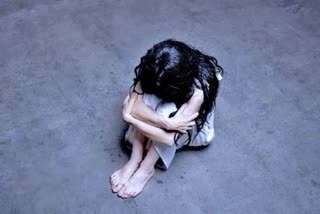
x=166 y=152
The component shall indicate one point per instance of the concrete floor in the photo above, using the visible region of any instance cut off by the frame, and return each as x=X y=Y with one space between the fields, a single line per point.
x=66 y=66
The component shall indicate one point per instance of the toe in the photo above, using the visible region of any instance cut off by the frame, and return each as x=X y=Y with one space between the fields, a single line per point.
x=115 y=180
x=114 y=184
x=130 y=193
x=127 y=194
x=124 y=193
x=121 y=191
x=119 y=194
x=117 y=184
x=134 y=194
x=112 y=179
x=123 y=196
x=117 y=188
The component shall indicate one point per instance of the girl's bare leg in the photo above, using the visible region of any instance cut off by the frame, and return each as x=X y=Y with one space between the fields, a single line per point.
x=140 y=178
x=121 y=176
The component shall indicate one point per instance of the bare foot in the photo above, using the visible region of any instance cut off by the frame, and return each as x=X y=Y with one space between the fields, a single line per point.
x=121 y=176
x=136 y=183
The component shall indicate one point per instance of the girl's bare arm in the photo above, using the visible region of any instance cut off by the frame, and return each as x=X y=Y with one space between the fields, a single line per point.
x=144 y=113
x=152 y=132
x=155 y=133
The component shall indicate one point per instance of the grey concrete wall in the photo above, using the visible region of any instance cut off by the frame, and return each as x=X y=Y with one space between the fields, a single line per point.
x=66 y=66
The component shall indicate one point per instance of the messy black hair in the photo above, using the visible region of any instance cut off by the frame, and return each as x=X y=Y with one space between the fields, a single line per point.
x=171 y=69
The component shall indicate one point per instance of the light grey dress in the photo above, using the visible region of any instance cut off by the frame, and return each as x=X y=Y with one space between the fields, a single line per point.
x=166 y=152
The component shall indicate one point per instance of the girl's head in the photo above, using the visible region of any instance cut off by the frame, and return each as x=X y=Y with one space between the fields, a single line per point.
x=168 y=71
x=171 y=69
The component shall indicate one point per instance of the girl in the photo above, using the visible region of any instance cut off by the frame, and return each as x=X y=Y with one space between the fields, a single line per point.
x=170 y=106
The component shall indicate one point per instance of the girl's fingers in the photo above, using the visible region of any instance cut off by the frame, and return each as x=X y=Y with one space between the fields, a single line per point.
x=191 y=117
x=191 y=123
x=194 y=116
x=185 y=129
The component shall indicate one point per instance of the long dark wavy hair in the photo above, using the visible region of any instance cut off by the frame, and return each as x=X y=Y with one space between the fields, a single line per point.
x=171 y=69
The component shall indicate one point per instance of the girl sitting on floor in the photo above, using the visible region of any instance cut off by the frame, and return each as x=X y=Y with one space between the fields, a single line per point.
x=171 y=106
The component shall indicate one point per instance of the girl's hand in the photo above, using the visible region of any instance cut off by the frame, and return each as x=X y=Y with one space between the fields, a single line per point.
x=181 y=122
x=127 y=107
